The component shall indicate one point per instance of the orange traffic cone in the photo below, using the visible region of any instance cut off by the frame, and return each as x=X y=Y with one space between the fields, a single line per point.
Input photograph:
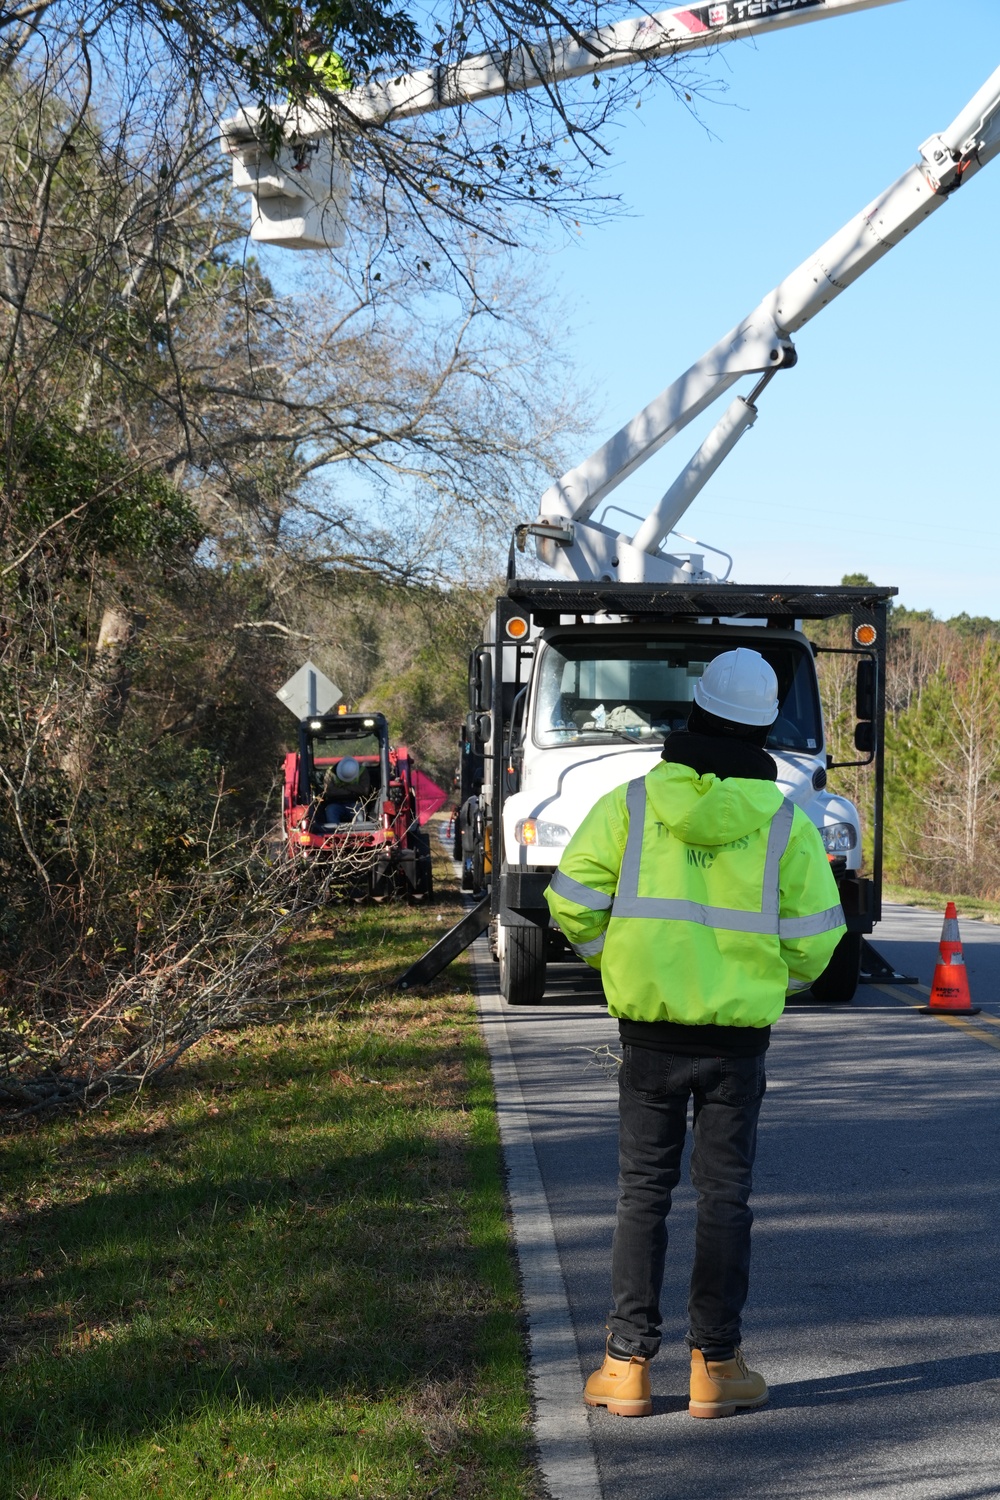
x=951 y=943
x=950 y=987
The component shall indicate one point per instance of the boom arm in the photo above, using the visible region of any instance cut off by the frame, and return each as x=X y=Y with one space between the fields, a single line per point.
x=300 y=196
x=639 y=39
x=761 y=344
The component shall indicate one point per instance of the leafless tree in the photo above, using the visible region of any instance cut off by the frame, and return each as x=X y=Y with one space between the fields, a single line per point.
x=210 y=957
x=498 y=167
x=189 y=450
x=949 y=745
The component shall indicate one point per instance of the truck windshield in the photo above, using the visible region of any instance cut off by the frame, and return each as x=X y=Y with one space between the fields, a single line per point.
x=590 y=692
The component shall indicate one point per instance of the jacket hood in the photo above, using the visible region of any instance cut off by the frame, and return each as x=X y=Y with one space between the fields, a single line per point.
x=709 y=810
x=722 y=757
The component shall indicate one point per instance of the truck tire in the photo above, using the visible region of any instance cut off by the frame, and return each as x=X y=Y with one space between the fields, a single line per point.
x=839 y=980
x=522 y=964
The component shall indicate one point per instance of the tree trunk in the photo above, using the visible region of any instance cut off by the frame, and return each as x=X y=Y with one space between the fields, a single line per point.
x=106 y=696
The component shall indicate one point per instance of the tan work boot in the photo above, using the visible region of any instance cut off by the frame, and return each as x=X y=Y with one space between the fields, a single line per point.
x=622 y=1385
x=720 y=1387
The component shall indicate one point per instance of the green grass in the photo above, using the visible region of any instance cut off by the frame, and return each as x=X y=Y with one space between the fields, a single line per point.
x=288 y=1272
x=976 y=908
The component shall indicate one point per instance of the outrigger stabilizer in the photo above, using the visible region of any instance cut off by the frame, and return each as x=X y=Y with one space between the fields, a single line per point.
x=874 y=968
x=454 y=942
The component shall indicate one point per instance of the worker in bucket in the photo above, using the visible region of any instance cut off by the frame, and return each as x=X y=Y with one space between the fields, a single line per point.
x=327 y=66
x=330 y=74
x=700 y=893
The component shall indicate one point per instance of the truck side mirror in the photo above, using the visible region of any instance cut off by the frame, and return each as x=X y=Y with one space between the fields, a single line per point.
x=484 y=727
x=864 y=737
x=485 y=682
x=864 y=691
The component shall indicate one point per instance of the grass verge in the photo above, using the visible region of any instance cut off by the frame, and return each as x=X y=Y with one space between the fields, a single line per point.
x=976 y=908
x=288 y=1272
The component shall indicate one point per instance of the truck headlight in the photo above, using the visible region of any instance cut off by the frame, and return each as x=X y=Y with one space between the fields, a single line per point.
x=838 y=838
x=537 y=831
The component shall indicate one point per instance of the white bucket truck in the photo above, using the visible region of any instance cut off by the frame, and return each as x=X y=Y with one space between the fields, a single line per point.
x=580 y=676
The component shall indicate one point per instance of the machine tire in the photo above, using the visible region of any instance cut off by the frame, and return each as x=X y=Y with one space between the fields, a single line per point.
x=839 y=980
x=522 y=964
x=424 y=886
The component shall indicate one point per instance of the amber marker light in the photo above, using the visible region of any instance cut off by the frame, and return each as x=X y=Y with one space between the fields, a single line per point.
x=517 y=627
x=866 y=635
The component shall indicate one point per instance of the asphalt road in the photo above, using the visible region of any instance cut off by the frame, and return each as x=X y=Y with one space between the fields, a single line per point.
x=874 y=1309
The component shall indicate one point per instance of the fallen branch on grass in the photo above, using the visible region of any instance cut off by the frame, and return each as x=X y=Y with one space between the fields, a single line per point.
x=210 y=958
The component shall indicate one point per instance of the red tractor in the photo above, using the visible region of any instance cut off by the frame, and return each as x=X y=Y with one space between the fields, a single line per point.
x=350 y=797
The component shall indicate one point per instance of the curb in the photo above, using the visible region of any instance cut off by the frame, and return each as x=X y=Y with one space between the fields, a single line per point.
x=566 y=1454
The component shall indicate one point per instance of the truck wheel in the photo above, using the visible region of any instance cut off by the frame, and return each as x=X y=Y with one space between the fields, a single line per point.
x=839 y=980
x=522 y=964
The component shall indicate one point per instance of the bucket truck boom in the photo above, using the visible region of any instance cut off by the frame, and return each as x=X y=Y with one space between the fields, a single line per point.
x=300 y=194
x=565 y=535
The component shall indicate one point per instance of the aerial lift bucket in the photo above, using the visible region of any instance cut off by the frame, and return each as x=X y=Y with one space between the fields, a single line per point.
x=299 y=190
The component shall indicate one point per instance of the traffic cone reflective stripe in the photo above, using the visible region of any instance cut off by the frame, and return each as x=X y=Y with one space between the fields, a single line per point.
x=950 y=990
x=951 y=942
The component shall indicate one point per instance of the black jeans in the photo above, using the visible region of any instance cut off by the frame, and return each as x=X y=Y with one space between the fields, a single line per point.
x=654 y=1088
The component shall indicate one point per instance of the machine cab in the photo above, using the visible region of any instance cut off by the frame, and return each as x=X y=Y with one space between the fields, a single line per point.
x=343 y=770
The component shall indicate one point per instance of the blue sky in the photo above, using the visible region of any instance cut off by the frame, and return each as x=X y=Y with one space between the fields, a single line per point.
x=878 y=452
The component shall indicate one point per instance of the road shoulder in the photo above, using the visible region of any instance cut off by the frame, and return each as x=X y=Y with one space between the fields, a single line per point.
x=566 y=1454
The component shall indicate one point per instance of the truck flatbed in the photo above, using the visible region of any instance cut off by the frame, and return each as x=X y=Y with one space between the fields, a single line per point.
x=549 y=600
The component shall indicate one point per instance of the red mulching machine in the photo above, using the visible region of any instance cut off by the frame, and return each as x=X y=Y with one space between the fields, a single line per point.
x=350 y=797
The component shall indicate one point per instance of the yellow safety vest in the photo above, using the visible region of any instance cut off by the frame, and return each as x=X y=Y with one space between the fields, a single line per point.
x=698 y=898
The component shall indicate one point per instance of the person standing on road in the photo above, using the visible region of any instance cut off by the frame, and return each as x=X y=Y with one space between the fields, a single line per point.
x=699 y=892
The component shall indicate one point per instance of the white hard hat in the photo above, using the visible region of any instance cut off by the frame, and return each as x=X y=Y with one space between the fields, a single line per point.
x=348 y=769
x=739 y=686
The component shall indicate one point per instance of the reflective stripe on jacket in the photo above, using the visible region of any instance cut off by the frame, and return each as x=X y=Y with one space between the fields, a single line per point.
x=699 y=899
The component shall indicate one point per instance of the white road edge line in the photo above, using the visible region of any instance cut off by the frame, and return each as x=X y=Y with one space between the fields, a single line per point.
x=566 y=1454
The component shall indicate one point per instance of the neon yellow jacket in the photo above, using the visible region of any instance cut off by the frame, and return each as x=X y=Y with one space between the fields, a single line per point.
x=698 y=898
x=331 y=70
x=328 y=67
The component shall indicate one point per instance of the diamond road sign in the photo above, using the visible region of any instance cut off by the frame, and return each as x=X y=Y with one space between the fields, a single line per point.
x=309 y=692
